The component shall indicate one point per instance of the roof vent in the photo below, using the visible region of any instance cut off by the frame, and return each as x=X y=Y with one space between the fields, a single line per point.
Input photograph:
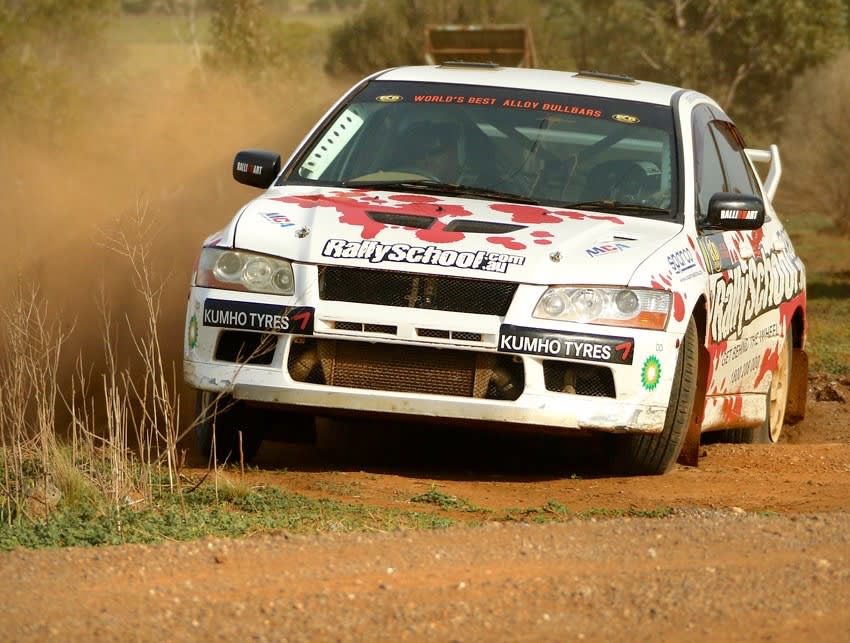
x=598 y=75
x=470 y=63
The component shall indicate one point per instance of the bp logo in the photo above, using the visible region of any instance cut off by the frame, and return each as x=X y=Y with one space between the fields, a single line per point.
x=193 y=332
x=651 y=373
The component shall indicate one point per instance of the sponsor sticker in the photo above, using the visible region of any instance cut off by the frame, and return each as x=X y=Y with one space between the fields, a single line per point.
x=681 y=261
x=563 y=345
x=748 y=290
x=377 y=252
x=278 y=219
x=650 y=374
x=192 y=334
x=629 y=119
x=269 y=318
x=606 y=248
x=739 y=215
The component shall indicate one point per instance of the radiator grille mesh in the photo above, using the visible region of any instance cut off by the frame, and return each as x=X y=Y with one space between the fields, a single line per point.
x=404 y=290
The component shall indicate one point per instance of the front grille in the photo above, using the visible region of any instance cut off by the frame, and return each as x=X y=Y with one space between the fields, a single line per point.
x=578 y=379
x=405 y=290
x=245 y=348
x=459 y=335
x=406 y=369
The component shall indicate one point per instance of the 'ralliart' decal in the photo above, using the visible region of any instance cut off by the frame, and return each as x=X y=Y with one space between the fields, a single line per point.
x=377 y=252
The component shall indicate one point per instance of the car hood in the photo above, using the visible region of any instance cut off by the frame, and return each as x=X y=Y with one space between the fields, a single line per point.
x=424 y=233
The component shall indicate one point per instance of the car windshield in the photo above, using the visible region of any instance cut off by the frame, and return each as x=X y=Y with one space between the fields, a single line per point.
x=509 y=144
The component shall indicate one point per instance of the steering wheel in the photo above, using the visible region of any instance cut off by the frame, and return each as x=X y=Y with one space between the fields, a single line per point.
x=418 y=172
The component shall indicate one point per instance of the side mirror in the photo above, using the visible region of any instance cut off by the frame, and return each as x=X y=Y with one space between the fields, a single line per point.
x=729 y=211
x=257 y=168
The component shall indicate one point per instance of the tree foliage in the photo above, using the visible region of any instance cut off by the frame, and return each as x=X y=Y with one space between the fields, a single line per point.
x=387 y=33
x=249 y=37
x=815 y=128
x=744 y=53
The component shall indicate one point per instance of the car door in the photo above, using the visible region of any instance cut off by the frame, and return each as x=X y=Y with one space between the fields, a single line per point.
x=738 y=261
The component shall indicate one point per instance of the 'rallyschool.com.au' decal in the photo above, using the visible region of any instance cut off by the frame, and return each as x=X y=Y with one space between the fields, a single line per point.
x=547 y=343
x=262 y=317
x=377 y=252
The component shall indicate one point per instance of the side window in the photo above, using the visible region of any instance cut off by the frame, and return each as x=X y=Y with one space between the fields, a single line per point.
x=739 y=176
x=709 y=170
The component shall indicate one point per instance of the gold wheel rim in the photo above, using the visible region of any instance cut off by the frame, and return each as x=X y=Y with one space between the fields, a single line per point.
x=779 y=391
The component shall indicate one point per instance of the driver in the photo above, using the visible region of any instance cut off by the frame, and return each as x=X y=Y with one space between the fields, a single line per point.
x=433 y=149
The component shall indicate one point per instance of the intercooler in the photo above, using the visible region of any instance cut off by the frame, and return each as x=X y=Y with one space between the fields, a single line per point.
x=406 y=369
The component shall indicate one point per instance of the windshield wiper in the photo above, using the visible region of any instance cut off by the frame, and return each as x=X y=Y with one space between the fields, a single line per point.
x=431 y=185
x=607 y=205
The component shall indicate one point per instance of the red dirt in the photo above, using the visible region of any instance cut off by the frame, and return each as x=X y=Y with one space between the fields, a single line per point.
x=758 y=547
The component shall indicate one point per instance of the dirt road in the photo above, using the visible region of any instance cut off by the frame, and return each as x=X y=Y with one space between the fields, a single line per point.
x=757 y=547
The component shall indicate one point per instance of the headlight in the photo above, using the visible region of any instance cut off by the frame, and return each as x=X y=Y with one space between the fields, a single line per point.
x=632 y=307
x=238 y=270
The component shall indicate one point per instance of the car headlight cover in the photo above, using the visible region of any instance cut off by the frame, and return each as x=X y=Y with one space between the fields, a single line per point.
x=632 y=307
x=239 y=270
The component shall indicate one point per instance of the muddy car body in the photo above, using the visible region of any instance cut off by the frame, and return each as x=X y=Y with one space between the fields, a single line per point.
x=545 y=250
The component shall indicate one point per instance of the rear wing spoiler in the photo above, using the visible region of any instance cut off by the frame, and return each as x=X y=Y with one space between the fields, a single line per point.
x=774 y=171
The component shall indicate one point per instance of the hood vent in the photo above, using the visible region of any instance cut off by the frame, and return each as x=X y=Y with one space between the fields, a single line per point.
x=482 y=227
x=404 y=220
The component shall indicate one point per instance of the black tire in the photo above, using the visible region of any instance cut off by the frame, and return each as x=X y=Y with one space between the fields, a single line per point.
x=226 y=419
x=777 y=399
x=656 y=453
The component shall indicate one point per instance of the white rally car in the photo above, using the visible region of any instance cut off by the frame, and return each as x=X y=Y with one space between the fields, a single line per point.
x=565 y=252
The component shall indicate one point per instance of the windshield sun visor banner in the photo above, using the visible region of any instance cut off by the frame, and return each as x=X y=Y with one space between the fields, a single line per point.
x=580 y=346
x=269 y=318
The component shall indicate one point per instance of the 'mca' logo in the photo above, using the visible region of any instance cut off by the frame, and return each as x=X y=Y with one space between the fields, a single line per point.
x=606 y=249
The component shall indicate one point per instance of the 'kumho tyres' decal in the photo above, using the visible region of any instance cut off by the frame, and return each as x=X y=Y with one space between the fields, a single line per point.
x=563 y=345
x=270 y=318
x=748 y=290
x=377 y=252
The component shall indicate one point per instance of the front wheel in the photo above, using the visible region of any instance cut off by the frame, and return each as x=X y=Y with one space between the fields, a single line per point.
x=656 y=453
x=225 y=425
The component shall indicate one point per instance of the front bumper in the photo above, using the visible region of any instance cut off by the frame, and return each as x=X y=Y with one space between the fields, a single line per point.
x=635 y=405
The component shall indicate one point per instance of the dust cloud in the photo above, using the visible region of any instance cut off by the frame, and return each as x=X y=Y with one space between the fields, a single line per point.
x=156 y=148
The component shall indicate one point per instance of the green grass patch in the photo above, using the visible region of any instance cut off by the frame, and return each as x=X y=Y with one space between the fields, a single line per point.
x=202 y=513
x=828 y=290
x=444 y=501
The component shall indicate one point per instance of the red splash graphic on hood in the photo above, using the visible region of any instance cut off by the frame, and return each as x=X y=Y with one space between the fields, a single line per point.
x=352 y=206
x=543 y=237
x=508 y=242
x=532 y=214
x=732 y=407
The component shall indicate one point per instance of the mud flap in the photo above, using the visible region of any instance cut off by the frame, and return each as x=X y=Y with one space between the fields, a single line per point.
x=689 y=455
x=798 y=387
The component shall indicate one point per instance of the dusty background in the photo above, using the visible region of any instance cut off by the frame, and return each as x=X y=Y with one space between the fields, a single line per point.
x=756 y=549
